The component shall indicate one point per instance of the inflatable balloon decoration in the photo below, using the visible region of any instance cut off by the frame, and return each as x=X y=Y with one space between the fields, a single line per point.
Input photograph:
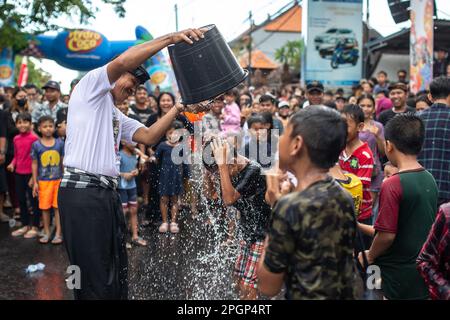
x=6 y=67
x=84 y=50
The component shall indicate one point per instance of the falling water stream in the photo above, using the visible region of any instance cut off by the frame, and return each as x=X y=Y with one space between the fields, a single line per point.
x=195 y=264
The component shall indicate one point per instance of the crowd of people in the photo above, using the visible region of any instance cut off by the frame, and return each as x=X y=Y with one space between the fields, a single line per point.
x=309 y=180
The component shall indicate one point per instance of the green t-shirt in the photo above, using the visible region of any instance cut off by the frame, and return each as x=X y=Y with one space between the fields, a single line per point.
x=408 y=206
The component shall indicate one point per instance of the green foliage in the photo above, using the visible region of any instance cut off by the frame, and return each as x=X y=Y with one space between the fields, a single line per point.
x=21 y=17
x=35 y=75
x=290 y=54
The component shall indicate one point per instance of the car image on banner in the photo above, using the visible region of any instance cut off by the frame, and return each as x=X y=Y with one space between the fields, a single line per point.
x=338 y=45
x=333 y=42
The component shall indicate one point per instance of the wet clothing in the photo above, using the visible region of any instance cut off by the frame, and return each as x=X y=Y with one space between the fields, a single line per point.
x=262 y=152
x=255 y=212
x=246 y=265
x=408 y=206
x=311 y=239
x=434 y=259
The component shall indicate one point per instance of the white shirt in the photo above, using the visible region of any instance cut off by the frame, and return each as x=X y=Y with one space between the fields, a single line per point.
x=95 y=126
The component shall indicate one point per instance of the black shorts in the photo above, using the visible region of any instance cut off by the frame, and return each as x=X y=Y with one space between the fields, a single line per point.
x=3 y=183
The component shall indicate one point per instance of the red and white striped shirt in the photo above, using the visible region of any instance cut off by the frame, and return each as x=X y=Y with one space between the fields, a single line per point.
x=360 y=163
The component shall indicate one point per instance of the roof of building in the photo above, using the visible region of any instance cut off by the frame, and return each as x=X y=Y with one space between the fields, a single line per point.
x=259 y=61
x=289 y=21
x=281 y=21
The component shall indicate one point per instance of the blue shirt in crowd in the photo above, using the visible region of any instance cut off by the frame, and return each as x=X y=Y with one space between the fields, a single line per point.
x=49 y=159
x=127 y=164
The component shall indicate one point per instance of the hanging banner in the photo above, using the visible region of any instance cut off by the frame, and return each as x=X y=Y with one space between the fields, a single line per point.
x=84 y=50
x=6 y=67
x=23 y=74
x=334 y=42
x=421 y=44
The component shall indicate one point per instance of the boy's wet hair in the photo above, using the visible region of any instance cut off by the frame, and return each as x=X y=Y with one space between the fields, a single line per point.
x=25 y=116
x=45 y=119
x=440 y=87
x=355 y=112
x=176 y=125
x=324 y=133
x=406 y=132
x=209 y=162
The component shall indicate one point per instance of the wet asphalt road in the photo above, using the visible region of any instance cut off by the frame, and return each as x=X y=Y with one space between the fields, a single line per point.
x=189 y=265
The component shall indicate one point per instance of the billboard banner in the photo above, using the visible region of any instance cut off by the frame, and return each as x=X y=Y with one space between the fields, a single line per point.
x=6 y=67
x=421 y=45
x=334 y=42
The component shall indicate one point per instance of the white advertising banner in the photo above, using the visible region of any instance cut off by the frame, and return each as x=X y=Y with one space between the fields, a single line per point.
x=334 y=42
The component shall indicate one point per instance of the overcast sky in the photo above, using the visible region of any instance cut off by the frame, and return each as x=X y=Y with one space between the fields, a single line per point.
x=230 y=16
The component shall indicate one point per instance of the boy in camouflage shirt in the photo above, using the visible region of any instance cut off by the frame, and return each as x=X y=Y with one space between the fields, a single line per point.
x=310 y=243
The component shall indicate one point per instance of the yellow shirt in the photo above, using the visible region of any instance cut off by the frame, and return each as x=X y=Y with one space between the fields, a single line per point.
x=354 y=186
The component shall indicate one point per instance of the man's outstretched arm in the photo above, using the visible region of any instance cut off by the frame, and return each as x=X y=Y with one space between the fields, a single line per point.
x=135 y=56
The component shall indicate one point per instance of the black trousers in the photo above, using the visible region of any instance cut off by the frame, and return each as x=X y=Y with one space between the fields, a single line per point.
x=94 y=229
x=23 y=191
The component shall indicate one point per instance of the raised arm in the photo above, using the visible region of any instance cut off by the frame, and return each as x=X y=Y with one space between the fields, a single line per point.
x=135 y=56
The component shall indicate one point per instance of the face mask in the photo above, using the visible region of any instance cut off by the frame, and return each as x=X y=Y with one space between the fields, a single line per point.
x=22 y=102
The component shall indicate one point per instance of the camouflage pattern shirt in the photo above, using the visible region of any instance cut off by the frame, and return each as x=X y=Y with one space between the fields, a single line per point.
x=311 y=239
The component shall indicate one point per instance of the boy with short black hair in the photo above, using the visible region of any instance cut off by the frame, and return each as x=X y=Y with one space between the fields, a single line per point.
x=408 y=206
x=259 y=147
x=357 y=158
x=310 y=242
x=47 y=154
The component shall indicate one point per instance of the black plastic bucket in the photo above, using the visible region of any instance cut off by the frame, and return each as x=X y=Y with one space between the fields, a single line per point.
x=205 y=69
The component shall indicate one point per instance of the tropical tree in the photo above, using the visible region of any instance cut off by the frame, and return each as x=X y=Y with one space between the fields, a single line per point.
x=18 y=18
x=290 y=54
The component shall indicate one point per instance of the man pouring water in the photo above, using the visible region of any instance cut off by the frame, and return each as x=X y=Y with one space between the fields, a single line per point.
x=91 y=213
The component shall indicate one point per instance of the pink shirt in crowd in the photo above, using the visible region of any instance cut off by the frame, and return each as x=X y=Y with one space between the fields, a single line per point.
x=232 y=118
x=22 y=152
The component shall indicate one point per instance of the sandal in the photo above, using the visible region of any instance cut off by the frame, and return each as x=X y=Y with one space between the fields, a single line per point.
x=57 y=240
x=45 y=239
x=139 y=241
x=163 y=227
x=31 y=234
x=174 y=227
x=20 y=232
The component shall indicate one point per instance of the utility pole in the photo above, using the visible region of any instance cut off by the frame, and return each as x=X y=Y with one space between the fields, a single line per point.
x=176 y=17
x=250 y=49
x=365 y=60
